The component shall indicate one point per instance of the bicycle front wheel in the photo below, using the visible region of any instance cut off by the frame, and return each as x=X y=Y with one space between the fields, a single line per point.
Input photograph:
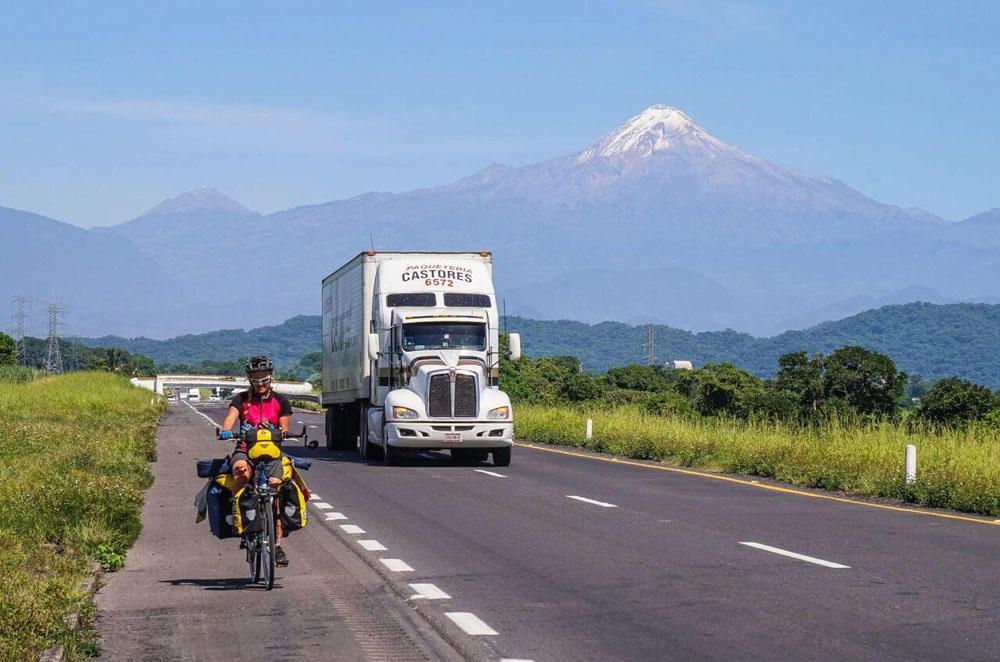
x=253 y=556
x=267 y=547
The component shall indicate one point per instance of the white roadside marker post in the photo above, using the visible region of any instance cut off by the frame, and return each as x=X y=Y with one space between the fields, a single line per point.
x=911 y=464
x=590 y=428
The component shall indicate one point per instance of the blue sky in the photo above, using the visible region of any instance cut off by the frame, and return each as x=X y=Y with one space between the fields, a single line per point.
x=107 y=108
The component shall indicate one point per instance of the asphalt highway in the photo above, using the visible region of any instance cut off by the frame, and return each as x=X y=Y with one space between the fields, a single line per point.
x=567 y=555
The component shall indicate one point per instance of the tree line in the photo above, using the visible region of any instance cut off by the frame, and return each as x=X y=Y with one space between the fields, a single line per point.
x=849 y=383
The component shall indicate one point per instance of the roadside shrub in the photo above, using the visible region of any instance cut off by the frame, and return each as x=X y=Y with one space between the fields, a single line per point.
x=581 y=386
x=669 y=403
x=954 y=400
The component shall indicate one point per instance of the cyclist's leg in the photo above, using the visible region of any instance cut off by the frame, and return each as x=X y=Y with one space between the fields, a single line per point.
x=242 y=472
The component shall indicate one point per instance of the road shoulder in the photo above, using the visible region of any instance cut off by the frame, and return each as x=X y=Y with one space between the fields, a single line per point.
x=184 y=594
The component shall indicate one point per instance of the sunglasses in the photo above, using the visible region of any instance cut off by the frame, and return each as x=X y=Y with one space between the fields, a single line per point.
x=260 y=381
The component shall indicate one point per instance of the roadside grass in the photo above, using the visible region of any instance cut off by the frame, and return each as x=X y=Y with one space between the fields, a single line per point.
x=957 y=469
x=74 y=454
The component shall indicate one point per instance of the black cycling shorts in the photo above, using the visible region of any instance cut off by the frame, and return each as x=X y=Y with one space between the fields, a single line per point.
x=274 y=468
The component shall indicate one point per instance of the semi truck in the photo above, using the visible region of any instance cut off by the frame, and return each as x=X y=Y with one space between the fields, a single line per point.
x=411 y=357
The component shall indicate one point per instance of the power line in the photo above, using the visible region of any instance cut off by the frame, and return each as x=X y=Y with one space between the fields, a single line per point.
x=650 y=345
x=20 y=315
x=53 y=362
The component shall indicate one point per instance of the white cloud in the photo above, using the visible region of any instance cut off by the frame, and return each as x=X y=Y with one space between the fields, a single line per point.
x=214 y=123
x=206 y=124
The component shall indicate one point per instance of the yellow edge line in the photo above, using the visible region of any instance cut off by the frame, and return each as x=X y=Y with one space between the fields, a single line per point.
x=749 y=483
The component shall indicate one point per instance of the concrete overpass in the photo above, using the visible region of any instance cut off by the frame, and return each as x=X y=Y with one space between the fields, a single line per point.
x=159 y=382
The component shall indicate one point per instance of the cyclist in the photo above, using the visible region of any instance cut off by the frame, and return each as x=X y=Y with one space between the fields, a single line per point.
x=258 y=407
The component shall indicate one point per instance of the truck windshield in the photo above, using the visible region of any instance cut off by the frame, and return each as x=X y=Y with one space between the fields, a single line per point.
x=461 y=335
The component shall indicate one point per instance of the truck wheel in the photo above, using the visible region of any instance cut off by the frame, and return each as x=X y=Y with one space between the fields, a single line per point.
x=362 y=437
x=331 y=429
x=369 y=451
x=501 y=457
x=391 y=455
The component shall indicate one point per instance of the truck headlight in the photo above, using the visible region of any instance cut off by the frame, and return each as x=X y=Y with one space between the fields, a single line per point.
x=499 y=412
x=402 y=413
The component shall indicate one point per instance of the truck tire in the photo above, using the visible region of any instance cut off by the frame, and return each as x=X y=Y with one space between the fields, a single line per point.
x=331 y=429
x=391 y=455
x=368 y=450
x=501 y=457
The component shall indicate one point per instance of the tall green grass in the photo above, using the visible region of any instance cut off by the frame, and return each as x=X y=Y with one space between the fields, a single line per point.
x=957 y=469
x=74 y=454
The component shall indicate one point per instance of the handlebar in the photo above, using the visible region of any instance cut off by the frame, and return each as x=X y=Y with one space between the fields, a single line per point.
x=284 y=435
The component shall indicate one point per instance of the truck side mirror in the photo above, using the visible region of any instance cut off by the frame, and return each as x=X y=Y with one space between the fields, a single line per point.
x=514 y=340
x=373 y=347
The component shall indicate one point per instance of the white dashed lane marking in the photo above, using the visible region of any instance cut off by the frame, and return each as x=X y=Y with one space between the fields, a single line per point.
x=396 y=565
x=470 y=623
x=351 y=528
x=372 y=545
x=323 y=505
x=602 y=504
x=314 y=497
x=335 y=516
x=793 y=555
x=428 y=592
x=489 y=473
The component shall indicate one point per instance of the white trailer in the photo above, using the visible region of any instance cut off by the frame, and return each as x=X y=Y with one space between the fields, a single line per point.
x=411 y=356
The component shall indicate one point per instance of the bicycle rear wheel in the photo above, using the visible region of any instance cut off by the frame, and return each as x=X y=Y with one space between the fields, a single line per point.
x=267 y=547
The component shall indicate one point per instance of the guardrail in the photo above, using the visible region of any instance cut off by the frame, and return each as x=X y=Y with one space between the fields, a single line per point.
x=307 y=398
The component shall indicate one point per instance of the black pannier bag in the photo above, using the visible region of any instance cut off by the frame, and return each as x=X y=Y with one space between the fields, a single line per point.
x=212 y=468
x=293 y=507
x=220 y=511
x=249 y=519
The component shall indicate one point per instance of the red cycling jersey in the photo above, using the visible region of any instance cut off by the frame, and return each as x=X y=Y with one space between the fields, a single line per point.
x=255 y=410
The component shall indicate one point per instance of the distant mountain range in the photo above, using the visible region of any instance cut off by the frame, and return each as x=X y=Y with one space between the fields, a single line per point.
x=928 y=339
x=657 y=221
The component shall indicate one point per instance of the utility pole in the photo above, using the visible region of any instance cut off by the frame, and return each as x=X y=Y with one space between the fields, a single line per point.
x=53 y=362
x=20 y=315
x=650 y=345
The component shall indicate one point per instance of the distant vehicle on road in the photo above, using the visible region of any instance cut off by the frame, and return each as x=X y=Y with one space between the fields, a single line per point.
x=411 y=357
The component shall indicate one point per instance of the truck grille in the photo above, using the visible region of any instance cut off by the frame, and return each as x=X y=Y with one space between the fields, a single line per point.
x=465 y=396
x=439 y=400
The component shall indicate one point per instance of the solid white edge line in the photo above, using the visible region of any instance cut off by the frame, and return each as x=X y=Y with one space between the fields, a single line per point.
x=428 y=592
x=470 y=623
x=396 y=565
x=602 y=504
x=489 y=473
x=351 y=528
x=335 y=516
x=800 y=557
x=323 y=505
x=202 y=414
x=372 y=545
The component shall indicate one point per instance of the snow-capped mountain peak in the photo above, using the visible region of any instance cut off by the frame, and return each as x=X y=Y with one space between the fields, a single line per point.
x=656 y=129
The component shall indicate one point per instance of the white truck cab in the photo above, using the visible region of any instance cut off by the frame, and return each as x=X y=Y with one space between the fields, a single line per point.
x=428 y=326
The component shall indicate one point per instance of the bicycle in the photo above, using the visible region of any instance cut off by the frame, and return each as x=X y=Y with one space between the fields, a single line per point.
x=261 y=543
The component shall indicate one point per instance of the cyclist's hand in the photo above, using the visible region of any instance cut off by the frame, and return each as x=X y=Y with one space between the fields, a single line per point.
x=226 y=434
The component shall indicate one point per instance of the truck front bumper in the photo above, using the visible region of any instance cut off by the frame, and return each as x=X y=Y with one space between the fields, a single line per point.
x=438 y=435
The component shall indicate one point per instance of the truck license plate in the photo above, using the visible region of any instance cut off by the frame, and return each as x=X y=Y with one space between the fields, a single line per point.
x=452 y=437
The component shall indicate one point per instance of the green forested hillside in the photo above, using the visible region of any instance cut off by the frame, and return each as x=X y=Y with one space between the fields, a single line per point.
x=285 y=343
x=927 y=339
